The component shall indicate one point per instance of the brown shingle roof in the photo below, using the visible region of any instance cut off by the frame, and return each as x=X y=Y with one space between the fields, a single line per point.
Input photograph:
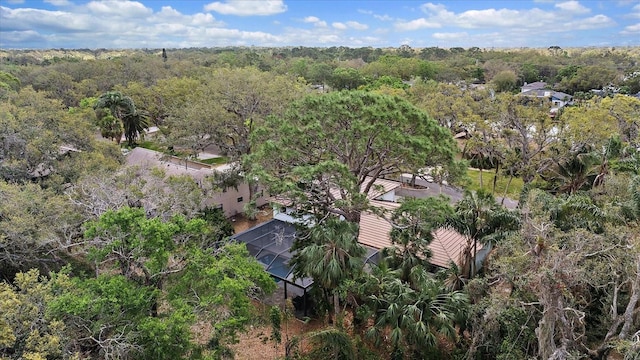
x=447 y=244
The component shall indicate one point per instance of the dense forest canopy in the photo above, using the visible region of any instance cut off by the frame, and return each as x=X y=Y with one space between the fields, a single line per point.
x=103 y=260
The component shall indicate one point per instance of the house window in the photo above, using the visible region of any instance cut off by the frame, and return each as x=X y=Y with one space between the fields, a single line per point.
x=240 y=199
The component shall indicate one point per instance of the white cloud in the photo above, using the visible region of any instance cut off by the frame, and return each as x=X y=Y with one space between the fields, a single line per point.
x=433 y=8
x=19 y=37
x=247 y=7
x=384 y=17
x=594 y=22
x=491 y=18
x=122 y=8
x=631 y=29
x=350 y=25
x=58 y=2
x=450 y=36
x=315 y=21
x=512 y=20
x=59 y=21
x=340 y=26
x=572 y=7
x=416 y=24
x=356 y=25
x=635 y=12
x=168 y=16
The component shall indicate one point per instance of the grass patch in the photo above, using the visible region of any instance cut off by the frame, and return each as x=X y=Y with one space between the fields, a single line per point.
x=152 y=146
x=147 y=144
x=215 y=161
x=515 y=188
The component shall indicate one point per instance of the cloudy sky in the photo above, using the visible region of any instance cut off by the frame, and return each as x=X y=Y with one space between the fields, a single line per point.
x=27 y=24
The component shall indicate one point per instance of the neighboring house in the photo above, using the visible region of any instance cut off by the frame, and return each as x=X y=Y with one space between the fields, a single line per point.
x=539 y=89
x=558 y=99
x=446 y=247
x=538 y=85
x=231 y=201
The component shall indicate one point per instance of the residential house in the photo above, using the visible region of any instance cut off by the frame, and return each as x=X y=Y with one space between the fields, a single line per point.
x=538 y=85
x=447 y=246
x=270 y=242
x=231 y=200
x=557 y=99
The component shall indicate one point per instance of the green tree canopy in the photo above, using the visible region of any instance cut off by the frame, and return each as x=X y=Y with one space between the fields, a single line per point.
x=345 y=141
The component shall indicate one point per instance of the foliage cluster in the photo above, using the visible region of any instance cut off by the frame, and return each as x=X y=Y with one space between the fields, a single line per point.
x=98 y=261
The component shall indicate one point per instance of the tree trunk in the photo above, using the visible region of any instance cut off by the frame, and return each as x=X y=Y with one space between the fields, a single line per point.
x=336 y=307
x=631 y=306
x=506 y=188
x=495 y=179
x=473 y=259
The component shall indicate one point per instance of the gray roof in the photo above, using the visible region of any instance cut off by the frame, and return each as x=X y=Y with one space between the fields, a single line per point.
x=172 y=165
x=547 y=93
x=534 y=86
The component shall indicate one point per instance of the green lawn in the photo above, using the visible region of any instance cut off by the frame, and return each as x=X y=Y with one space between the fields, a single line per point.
x=147 y=144
x=487 y=180
x=215 y=161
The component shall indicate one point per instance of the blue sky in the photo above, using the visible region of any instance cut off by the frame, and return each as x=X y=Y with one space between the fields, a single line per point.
x=70 y=24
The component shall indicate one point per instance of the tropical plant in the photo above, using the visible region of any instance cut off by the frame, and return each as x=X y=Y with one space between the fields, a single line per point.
x=331 y=255
x=122 y=108
x=413 y=225
x=110 y=128
x=414 y=317
x=482 y=220
x=331 y=343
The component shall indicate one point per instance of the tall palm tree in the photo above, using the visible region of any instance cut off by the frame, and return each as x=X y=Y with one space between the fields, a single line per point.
x=579 y=169
x=482 y=220
x=333 y=255
x=123 y=108
x=134 y=125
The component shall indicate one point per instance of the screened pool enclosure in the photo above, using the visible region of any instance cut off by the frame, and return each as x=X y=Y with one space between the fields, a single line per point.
x=270 y=243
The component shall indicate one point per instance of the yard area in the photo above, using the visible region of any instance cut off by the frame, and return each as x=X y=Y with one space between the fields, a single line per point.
x=515 y=188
